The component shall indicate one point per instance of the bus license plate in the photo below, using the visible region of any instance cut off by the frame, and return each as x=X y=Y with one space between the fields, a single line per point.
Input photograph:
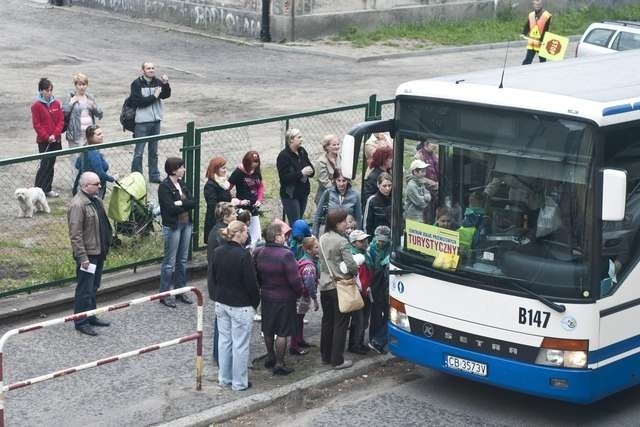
x=465 y=365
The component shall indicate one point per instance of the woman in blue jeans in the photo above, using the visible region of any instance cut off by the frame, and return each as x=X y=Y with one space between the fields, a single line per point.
x=234 y=284
x=175 y=204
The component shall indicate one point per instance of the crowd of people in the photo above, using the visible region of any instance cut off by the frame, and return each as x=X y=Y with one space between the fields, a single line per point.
x=278 y=274
x=275 y=275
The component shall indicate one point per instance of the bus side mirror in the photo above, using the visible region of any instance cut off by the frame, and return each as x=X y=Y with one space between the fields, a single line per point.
x=614 y=194
x=347 y=153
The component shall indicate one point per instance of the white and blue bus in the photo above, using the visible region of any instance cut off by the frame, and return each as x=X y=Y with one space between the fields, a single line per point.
x=532 y=282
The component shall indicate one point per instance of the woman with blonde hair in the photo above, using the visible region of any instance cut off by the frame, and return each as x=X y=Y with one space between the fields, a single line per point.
x=294 y=170
x=235 y=291
x=81 y=111
x=327 y=163
x=216 y=190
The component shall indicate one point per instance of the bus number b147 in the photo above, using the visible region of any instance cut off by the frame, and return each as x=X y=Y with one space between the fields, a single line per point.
x=533 y=317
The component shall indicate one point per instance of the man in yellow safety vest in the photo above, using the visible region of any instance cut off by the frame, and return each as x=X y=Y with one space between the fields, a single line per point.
x=534 y=29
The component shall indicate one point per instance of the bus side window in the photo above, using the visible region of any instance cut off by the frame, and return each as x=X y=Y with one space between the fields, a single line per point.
x=620 y=239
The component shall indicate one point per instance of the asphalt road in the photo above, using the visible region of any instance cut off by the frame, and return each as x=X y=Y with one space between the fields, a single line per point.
x=436 y=399
x=213 y=81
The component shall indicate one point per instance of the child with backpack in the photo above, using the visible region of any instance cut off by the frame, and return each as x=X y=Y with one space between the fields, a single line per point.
x=360 y=318
x=379 y=257
x=310 y=273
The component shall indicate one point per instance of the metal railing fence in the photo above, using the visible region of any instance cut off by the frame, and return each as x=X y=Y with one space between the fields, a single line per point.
x=35 y=252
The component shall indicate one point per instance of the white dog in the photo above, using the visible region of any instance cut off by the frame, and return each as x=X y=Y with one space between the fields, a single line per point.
x=30 y=199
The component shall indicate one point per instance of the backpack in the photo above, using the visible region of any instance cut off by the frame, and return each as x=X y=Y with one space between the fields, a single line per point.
x=128 y=115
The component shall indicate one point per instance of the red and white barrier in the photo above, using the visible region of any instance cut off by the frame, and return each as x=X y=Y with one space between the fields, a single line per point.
x=197 y=336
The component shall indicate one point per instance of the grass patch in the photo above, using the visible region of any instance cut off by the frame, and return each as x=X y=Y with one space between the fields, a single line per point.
x=505 y=27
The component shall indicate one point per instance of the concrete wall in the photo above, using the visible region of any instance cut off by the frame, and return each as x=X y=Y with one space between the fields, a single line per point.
x=318 y=25
x=317 y=18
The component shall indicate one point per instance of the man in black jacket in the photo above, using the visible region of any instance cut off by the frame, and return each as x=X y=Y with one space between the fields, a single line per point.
x=147 y=93
x=294 y=171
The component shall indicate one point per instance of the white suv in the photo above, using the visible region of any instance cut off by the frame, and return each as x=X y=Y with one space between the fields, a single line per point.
x=608 y=37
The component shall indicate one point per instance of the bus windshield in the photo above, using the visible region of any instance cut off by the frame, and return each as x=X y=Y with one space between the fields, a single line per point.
x=495 y=196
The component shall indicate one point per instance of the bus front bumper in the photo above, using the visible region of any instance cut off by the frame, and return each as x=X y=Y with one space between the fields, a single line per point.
x=572 y=385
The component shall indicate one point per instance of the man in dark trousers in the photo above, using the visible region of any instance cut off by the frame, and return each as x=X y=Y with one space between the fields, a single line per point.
x=91 y=235
x=147 y=93
x=537 y=24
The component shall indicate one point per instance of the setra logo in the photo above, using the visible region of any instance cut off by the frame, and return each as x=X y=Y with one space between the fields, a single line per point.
x=400 y=287
x=569 y=323
x=427 y=330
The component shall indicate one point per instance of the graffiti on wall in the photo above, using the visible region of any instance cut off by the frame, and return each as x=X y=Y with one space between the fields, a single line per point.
x=117 y=5
x=229 y=20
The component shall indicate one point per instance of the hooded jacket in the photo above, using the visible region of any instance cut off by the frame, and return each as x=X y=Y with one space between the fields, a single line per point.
x=47 y=119
x=148 y=107
x=299 y=230
x=416 y=198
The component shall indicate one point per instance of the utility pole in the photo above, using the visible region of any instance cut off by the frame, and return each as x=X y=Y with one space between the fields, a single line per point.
x=265 y=30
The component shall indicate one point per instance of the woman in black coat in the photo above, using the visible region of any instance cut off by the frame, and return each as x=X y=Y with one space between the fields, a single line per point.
x=294 y=171
x=175 y=206
x=216 y=190
x=377 y=210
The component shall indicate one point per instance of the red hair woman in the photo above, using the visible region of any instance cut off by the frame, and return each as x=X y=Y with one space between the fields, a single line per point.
x=247 y=179
x=216 y=190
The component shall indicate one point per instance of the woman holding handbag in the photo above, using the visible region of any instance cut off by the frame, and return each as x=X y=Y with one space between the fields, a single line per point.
x=334 y=249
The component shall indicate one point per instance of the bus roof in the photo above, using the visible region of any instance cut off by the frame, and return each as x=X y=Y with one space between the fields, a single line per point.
x=605 y=89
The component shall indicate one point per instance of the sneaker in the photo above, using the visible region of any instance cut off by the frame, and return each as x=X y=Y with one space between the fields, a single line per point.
x=169 y=302
x=52 y=194
x=257 y=318
x=305 y=321
x=344 y=365
x=377 y=348
x=282 y=370
x=184 y=298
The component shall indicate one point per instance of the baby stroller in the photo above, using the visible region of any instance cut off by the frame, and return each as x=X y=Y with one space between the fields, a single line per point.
x=129 y=209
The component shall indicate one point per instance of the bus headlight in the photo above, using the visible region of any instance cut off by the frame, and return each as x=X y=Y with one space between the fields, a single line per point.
x=397 y=314
x=563 y=353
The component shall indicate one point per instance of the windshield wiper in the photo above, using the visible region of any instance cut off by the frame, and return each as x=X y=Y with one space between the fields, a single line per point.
x=560 y=308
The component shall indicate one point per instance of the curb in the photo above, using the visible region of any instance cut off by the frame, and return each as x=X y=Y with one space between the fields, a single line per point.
x=445 y=50
x=62 y=297
x=236 y=408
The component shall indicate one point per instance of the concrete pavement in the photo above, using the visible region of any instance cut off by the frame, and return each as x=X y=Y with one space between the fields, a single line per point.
x=151 y=389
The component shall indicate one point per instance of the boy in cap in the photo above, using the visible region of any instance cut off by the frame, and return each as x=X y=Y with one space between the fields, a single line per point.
x=379 y=257
x=417 y=195
x=360 y=318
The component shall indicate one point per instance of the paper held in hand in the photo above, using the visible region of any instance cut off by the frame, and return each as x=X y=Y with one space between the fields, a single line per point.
x=91 y=268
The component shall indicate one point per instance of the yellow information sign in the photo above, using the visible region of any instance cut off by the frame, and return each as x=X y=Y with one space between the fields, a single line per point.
x=441 y=244
x=553 y=47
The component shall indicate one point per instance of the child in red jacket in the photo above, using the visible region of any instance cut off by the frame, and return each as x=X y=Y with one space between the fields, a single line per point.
x=48 y=122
